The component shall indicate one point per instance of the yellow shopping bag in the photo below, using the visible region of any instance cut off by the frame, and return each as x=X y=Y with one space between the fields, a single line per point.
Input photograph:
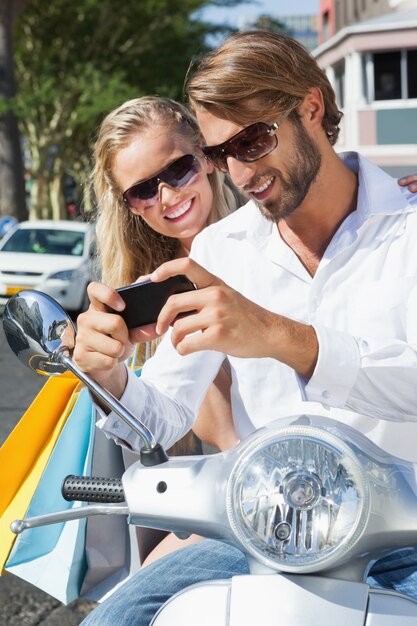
x=26 y=451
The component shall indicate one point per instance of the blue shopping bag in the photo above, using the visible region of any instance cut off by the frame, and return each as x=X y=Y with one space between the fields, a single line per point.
x=52 y=557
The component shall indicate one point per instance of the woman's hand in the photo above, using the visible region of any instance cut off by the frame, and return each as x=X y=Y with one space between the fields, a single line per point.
x=103 y=343
x=409 y=181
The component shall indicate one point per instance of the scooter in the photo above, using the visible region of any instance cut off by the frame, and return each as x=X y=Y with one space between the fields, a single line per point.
x=310 y=501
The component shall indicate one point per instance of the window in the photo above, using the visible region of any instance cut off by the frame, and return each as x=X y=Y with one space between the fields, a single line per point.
x=45 y=241
x=345 y=13
x=326 y=26
x=412 y=73
x=339 y=15
x=395 y=74
x=339 y=77
x=356 y=11
x=387 y=75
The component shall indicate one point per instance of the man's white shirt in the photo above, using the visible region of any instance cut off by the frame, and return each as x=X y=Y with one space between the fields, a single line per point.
x=362 y=302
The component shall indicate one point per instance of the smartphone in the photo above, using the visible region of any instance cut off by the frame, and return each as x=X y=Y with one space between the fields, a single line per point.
x=144 y=301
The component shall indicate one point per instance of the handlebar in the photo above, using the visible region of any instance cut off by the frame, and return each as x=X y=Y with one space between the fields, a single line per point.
x=92 y=489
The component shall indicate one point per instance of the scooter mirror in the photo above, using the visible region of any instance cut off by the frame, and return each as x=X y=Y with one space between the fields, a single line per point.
x=42 y=336
x=37 y=329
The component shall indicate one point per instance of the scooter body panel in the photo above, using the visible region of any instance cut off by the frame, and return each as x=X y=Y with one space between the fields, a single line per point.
x=289 y=600
x=205 y=604
x=389 y=608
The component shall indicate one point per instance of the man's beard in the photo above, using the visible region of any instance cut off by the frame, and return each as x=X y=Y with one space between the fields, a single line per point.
x=302 y=172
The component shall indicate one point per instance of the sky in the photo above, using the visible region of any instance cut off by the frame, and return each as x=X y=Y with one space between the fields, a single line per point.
x=261 y=7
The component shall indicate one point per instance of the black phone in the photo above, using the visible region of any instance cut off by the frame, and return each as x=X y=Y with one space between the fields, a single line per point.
x=144 y=301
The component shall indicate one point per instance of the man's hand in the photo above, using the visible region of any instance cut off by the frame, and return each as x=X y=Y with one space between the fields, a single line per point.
x=231 y=323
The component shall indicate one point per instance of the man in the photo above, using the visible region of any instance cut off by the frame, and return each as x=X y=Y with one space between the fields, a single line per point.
x=310 y=289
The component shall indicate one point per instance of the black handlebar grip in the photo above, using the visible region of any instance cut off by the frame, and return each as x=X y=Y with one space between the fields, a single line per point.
x=92 y=489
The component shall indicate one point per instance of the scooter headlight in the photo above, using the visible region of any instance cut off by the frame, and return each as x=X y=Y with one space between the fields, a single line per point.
x=298 y=499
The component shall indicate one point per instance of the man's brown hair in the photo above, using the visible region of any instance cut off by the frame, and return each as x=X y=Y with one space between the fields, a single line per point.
x=254 y=76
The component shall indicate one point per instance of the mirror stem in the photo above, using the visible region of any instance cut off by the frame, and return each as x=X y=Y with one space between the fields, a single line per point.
x=110 y=401
x=34 y=325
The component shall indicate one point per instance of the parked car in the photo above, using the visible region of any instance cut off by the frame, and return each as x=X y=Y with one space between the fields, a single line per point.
x=56 y=257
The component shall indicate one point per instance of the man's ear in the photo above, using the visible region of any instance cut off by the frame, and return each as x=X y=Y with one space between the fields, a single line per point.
x=312 y=107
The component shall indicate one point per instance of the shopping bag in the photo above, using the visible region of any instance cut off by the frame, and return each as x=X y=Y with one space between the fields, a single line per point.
x=52 y=557
x=108 y=548
x=26 y=451
x=111 y=563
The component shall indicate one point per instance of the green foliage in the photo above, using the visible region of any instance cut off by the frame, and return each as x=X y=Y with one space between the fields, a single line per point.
x=270 y=24
x=77 y=60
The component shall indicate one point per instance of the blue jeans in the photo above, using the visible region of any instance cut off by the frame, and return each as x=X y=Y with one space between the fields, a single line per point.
x=397 y=571
x=137 y=601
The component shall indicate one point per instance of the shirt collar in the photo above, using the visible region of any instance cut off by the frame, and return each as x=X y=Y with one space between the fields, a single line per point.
x=378 y=194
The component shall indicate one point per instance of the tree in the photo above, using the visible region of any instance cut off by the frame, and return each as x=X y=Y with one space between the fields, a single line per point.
x=271 y=24
x=12 y=189
x=77 y=60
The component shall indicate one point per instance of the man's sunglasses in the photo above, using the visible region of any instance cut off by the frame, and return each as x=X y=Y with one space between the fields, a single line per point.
x=248 y=145
x=178 y=174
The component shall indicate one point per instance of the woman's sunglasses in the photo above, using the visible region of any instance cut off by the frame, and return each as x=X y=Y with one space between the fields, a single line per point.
x=178 y=174
x=248 y=145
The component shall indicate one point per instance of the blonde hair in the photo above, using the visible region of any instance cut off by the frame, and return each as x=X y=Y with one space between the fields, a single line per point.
x=127 y=246
x=254 y=75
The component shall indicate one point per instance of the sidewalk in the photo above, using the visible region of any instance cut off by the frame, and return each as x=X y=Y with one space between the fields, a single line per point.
x=22 y=604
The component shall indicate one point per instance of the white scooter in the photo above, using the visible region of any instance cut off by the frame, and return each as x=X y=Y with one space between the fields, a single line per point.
x=310 y=501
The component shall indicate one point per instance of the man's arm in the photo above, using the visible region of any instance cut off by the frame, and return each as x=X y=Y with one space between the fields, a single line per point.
x=377 y=377
x=226 y=321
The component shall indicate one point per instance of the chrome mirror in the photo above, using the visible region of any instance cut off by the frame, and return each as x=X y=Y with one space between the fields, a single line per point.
x=42 y=336
x=37 y=330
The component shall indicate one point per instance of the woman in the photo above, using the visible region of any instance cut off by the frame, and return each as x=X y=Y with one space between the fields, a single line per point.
x=155 y=191
x=142 y=224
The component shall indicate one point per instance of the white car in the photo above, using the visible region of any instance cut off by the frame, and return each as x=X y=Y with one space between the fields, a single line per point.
x=56 y=257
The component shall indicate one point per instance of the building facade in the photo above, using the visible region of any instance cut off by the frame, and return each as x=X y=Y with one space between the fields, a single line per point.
x=369 y=52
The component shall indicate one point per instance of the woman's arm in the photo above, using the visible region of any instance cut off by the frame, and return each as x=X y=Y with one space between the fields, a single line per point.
x=214 y=424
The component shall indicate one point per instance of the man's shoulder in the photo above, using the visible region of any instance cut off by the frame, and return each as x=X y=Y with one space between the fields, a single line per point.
x=380 y=191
